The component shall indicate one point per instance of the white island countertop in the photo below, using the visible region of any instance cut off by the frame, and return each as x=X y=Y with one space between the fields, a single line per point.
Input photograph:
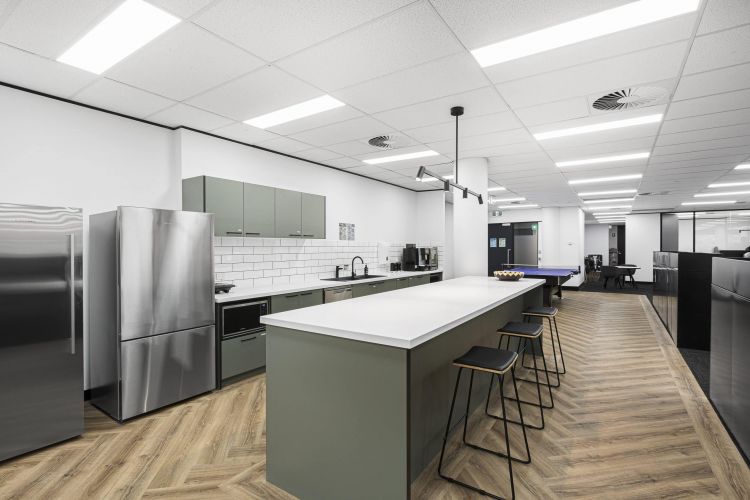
x=408 y=317
x=242 y=293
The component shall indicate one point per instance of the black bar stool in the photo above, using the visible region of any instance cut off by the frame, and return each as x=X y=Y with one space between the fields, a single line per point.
x=549 y=313
x=527 y=334
x=497 y=362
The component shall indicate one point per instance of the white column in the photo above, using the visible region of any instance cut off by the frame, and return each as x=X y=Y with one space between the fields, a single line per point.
x=470 y=220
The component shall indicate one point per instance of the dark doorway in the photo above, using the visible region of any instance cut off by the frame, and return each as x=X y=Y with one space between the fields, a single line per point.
x=621 y=245
x=500 y=246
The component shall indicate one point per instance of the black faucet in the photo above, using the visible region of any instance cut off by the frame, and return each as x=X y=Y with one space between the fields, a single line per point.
x=338 y=268
x=362 y=261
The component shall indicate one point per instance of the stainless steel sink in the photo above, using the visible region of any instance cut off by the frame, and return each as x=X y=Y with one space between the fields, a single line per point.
x=354 y=278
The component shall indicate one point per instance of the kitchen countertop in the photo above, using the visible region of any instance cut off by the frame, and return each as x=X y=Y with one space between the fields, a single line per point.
x=407 y=317
x=239 y=293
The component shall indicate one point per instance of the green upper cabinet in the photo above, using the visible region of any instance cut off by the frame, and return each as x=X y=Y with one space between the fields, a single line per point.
x=259 y=210
x=243 y=209
x=313 y=216
x=288 y=214
x=224 y=198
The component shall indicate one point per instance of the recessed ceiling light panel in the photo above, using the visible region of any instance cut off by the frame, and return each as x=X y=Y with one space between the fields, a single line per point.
x=496 y=188
x=725 y=193
x=611 y=200
x=604 y=193
x=507 y=207
x=744 y=166
x=401 y=157
x=503 y=200
x=128 y=28
x=728 y=184
x=295 y=112
x=710 y=202
x=585 y=28
x=599 y=127
x=602 y=159
x=614 y=178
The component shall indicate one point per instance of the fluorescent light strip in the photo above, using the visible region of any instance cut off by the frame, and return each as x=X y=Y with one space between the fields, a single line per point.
x=744 y=166
x=496 y=188
x=401 y=157
x=604 y=214
x=599 y=127
x=602 y=193
x=611 y=207
x=295 y=112
x=726 y=193
x=503 y=207
x=585 y=28
x=128 y=28
x=602 y=159
x=611 y=200
x=710 y=202
x=607 y=179
x=501 y=200
x=728 y=184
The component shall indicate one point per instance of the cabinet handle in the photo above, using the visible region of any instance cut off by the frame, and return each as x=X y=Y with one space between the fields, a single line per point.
x=291 y=296
x=253 y=234
x=308 y=235
x=306 y=293
x=234 y=232
x=71 y=240
x=248 y=339
x=294 y=235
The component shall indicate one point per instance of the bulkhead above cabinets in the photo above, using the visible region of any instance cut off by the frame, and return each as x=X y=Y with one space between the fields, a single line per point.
x=243 y=209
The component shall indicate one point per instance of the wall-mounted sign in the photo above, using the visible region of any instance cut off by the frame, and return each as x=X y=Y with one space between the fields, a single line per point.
x=493 y=242
x=502 y=243
x=346 y=231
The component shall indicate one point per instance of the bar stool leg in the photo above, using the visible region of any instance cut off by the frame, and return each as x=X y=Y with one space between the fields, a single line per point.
x=468 y=405
x=448 y=428
x=536 y=370
x=507 y=439
x=557 y=332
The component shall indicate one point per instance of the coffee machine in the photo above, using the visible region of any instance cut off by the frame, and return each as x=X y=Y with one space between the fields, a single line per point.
x=419 y=258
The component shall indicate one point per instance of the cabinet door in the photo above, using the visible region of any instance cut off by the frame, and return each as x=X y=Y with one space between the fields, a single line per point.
x=401 y=282
x=419 y=280
x=224 y=198
x=192 y=194
x=259 y=209
x=281 y=303
x=310 y=298
x=313 y=216
x=243 y=354
x=288 y=214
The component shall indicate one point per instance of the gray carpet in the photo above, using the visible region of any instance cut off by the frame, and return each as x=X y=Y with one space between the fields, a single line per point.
x=699 y=363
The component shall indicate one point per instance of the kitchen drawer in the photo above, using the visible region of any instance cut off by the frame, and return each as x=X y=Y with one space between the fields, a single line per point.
x=281 y=303
x=364 y=289
x=402 y=283
x=243 y=354
x=310 y=298
x=419 y=280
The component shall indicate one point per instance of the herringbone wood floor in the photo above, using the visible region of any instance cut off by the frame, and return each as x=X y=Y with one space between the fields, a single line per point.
x=629 y=422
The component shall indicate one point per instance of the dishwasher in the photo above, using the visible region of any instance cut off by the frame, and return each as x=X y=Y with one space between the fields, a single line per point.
x=336 y=294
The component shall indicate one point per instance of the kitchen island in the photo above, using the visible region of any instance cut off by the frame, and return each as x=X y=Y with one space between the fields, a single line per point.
x=358 y=390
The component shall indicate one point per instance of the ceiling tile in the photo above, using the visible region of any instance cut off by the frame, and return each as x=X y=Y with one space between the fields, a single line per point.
x=554 y=112
x=704 y=134
x=318 y=120
x=724 y=48
x=273 y=29
x=121 y=98
x=181 y=8
x=466 y=127
x=601 y=76
x=500 y=150
x=284 y=145
x=50 y=27
x=703 y=145
x=495 y=139
x=710 y=104
x=400 y=40
x=446 y=76
x=262 y=91
x=183 y=62
x=343 y=162
x=358 y=128
x=475 y=102
x=595 y=149
x=713 y=82
x=188 y=116
x=317 y=154
x=353 y=148
x=723 y=14
x=37 y=73
x=713 y=120
x=244 y=133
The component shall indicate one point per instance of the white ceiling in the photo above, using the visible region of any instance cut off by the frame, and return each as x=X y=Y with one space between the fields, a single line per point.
x=399 y=66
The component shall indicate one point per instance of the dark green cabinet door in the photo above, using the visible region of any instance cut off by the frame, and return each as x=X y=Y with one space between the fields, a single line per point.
x=242 y=354
x=419 y=280
x=401 y=283
x=364 y=289
x=224 y=198
x=192 y=194
x=259 y=210
x=281 y=303
x=311 y=298
x=288 y=213
x=313 y=216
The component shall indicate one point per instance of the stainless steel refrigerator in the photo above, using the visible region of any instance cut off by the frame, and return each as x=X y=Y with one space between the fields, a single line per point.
x=151 y=309
x=41 y=346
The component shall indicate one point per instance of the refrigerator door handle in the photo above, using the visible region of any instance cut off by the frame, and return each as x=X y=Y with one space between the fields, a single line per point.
x=72 y=279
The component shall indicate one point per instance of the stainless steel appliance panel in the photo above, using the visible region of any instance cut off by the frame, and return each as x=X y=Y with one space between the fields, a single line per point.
x=164 y=369
x=165 y=271
x=41 y=327
x=336 y=294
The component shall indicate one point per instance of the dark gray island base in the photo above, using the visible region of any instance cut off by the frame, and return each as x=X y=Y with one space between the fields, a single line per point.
x=358 y=419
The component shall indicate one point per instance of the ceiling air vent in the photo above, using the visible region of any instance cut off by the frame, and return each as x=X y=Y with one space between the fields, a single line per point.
x=388 y=141
x=629 y=98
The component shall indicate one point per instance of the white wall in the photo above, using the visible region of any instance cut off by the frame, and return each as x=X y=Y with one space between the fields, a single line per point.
x=470 y=220
x=571 y=241
x=58 y=154
x=597 y=240
x=380 y=212
x=685 y=235
x=642 y=239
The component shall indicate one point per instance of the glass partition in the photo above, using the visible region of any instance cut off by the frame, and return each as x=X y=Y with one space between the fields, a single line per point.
x=722 y=231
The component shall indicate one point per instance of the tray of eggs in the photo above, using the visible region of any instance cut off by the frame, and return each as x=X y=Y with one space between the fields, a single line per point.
x=508 y=275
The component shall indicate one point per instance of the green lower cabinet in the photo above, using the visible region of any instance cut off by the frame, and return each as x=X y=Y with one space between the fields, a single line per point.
x=419 y=280
x=311 y=298
x=364 y=289
x=297 y=300
x=401 y=283
x=243 y=354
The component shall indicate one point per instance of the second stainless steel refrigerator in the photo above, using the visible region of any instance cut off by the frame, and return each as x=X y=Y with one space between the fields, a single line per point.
x=152 y=339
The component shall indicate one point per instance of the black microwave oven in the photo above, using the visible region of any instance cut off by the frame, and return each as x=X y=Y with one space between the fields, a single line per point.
x=242 y=318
